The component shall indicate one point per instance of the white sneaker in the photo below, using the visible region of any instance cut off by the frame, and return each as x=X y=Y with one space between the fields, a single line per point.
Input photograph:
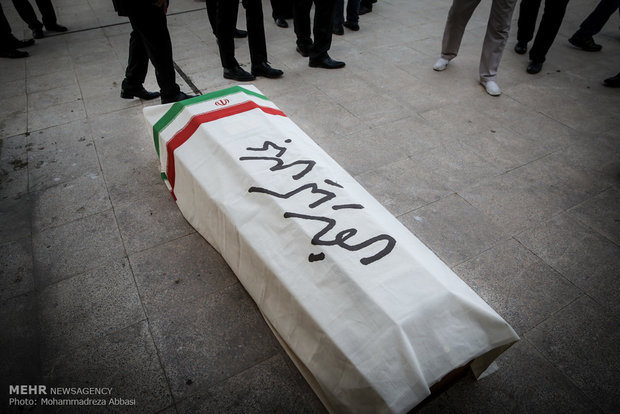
x=491 y=87
x=441 y=64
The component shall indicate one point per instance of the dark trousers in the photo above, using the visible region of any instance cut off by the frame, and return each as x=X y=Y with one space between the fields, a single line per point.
x=548 y=28
x=597 y=19
x=353 y=10
x=225 y=24
x=281 y=8
x=6 y=36
x=26 y=12
x=150 y=40
x=321 y=29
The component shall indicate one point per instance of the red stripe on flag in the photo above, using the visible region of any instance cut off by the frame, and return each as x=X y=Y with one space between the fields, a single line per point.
x=188 y=130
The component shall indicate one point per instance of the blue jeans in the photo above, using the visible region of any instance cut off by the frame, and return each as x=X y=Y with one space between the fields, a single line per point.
x=353 y=9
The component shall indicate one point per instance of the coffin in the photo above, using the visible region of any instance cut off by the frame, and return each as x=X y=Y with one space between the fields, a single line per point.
x=371 y=317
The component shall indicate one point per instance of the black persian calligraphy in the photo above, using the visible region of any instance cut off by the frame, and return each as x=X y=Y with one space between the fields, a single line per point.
x=321 y=238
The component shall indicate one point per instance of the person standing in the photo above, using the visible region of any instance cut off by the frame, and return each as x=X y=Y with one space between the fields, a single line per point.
x=26 y=12
x=212 y=15
x=322 y=28
x=352 y=20
x=226 y=19
x=9 y=44
x=280 y=11
x=548 y=28
x=495 y=39
x=149 y=40
x=583 y=38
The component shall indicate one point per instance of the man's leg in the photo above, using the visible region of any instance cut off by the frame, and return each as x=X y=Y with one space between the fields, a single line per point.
x=301 y=21
x=548 y=29
x=495 y=39
x=151 y=25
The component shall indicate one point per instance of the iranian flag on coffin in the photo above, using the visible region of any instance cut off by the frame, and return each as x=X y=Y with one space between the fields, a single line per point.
x=370 y=315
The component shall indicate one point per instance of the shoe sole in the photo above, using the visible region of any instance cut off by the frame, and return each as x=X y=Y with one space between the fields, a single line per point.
x=238 y=79
x=318 y=65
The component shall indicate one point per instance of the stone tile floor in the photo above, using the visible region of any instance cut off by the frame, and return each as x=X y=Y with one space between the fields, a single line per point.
x=104 y=284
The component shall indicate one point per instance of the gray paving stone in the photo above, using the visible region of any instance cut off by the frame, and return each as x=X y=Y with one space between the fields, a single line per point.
x=16 y=276
x=456 y=166
x=39 y=65
x=61 y=154
x=525 y=383
x=150 y=222
x=523 y=290
x=373 y=148
x=269 y=387
x=582 y=341
x=53 y=97
x=180 y=270
x=88 y=307
x=602 y=213
x=209 y=339
x=75 y=199
x=453 y=229
x=19 y=324
x=128 y=159
x=56 y=115
x=50 y=81
x=13 y=166
x=125 y=361
x=582 y=255
x=16 y=212
x=73 y=248
x=404 y=186
x=13 y=123
x=533 y=193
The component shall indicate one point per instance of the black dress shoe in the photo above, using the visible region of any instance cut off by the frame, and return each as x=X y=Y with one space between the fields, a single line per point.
x=56 y=28
x=17 y=44
x=521 y=47
x=326 y=63
x=181 y=96
x=238 y=74
x=303 y=51
x=138 y=93
x=613 y=82
x=263 y=69
x=280 y=22
x=338 y=30
x=239 y=34
x=38 y=33
x=351 y=26
x=365 y=9
x=585 y=44
x=534 y=67
x=13 y=54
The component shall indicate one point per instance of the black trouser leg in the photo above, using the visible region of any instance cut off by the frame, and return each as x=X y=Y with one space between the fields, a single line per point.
x=548 y=29
x=528 y=11
x=151 y=26
x=6 y=36
x=597 y=19
x=256 y=31
x=212 y=14
x=323 y=27
x=26 y=12
x=225 y=31
x=137 y=64
x=301 y=23
x=48 y=15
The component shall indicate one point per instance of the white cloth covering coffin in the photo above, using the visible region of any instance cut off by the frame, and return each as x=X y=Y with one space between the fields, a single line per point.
x=370 y=315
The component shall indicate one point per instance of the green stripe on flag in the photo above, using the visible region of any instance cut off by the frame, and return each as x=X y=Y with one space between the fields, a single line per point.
x=177 y=107
x=163 y=176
